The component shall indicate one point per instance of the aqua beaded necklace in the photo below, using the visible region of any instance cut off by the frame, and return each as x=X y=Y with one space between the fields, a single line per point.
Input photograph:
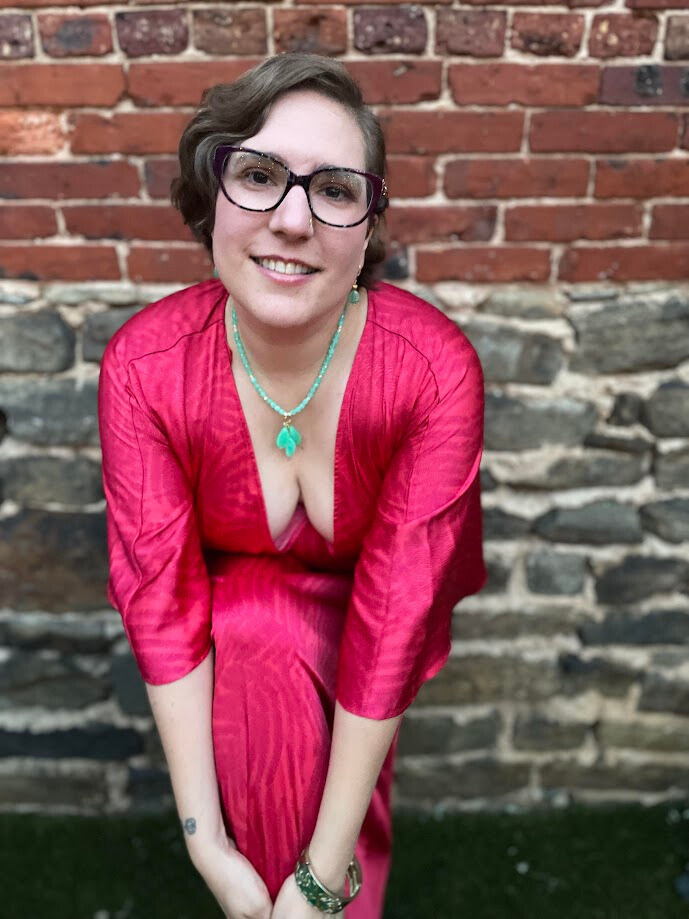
x=289 y=437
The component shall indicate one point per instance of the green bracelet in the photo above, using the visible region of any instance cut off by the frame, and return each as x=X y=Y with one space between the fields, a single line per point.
x=317 y=894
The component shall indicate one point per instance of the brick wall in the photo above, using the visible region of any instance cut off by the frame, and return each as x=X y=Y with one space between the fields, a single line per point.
x=540 y=196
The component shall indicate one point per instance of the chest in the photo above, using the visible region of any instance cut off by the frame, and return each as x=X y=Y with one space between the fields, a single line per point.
x=303 y=484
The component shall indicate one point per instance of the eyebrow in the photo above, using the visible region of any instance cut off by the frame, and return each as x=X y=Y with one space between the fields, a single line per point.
x=319 y=166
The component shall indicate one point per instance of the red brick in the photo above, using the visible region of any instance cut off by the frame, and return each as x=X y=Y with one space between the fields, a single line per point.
x=658 y=4
x=228 y=31
x=158 y=173
x=16 y=37
x=59 y=263
x=642 y=178
x=516 y=178
x=427 y=223
x=670 y=221
x=622 y=35
x=626 y=263
x=397 y=82
x=26 y=133
x=685 y=134
x=398 y=29
x=34 y=4
x=61 y=84
x=128 y=132
x=677 y=38
x=618 y=86
x=525 y=84
x=318 y=31
x=411 y=176
x=169 y=265
x=444 y=132
x=547 y=33
x=181 y=83
x=26 y=221
x=478 y=33
x=68 y=180
x=377 y=2
x=126 y=221
x=483 y=263
x=603 y=132
x=73 y=36
x=147 y=32
x=567 y=222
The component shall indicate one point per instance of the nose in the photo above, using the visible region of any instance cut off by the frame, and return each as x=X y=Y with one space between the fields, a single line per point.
x=293 y=214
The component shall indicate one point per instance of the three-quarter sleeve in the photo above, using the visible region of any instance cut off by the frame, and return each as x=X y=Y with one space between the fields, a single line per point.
x=158 y=577
x=423 y=551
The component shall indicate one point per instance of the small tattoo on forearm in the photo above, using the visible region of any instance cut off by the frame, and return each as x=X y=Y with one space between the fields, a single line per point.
x=189 y=826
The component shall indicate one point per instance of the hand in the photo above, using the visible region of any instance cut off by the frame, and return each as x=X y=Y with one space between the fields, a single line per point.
x=234 y=882
x=291 y=903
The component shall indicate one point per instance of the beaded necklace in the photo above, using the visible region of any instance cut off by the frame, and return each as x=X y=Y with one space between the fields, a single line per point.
x=289 y=437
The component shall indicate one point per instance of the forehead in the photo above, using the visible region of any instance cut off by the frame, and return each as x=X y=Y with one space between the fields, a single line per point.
x=307 y=130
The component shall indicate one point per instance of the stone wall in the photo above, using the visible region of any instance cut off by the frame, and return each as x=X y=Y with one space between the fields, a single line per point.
x=539 y=185
x=569 y=677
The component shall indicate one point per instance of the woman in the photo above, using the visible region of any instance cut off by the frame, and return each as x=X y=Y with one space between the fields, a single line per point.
x=290 y=460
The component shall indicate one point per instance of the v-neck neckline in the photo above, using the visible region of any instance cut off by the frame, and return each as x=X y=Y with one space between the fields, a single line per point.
x=293 y=529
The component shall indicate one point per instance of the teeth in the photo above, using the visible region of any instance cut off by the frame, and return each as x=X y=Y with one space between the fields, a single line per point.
x=284 y=267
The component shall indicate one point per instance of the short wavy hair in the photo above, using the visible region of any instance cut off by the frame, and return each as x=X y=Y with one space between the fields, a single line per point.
x=230 y=113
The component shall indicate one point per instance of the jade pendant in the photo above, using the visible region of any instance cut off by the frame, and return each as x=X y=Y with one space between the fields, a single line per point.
x=288 y=439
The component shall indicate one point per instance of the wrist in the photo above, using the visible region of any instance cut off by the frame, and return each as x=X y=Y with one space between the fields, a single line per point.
x=331 y=873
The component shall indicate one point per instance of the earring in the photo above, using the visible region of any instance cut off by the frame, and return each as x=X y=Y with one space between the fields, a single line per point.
x=354 y=292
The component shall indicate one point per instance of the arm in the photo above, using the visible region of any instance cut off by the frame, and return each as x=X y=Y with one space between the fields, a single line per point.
x=182 y=711
x=358 y=750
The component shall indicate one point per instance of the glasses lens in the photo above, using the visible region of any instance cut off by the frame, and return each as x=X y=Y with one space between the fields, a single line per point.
x=340 y=197
x=253 y=181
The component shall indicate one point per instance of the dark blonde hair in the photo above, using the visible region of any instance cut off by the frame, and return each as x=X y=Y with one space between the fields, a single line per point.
x=229 y=113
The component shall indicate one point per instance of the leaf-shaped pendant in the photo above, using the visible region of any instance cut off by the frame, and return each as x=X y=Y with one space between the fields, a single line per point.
x=288 y=439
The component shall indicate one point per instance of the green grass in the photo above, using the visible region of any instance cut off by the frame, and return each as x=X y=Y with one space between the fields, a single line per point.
x=579 y=863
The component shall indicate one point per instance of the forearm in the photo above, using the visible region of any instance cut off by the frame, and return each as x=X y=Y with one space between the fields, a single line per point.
x=183 y=715
x=358 y=750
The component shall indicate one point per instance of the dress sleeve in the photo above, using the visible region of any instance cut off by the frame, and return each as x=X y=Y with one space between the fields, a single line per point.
x=158 y=577
x=422 y=553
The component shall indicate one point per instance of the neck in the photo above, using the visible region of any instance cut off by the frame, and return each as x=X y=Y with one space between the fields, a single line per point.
x=289 y=356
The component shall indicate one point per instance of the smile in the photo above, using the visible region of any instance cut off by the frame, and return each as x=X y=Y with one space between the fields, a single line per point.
x=283 y=267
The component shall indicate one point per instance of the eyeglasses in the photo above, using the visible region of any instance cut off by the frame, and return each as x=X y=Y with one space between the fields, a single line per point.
x=337 y=196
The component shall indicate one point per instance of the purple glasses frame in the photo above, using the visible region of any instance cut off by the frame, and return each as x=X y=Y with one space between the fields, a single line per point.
x=377 y=204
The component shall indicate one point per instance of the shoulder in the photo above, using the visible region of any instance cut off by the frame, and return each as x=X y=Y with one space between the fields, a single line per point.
x=437 y=341
x=180 y=317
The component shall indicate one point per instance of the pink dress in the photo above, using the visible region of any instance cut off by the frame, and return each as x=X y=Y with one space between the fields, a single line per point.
x=364 y=619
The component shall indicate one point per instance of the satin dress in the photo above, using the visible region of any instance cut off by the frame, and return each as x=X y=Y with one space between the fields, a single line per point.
x=299 y=622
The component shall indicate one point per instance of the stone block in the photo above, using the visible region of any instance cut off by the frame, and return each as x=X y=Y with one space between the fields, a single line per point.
x=33 y=481
x=53 y=682
x=47 y=631
x=672 y=468
x=578 y=674
x=51 y=412
x=555 y=573
x=534 y=731
x=512 y=355
x=641 y=576
x=664 y=694
x=598 y=523
x=500 y=524
x=439 y=734
x=515 y=424
x=128 y=686
x=625 y=627
x=35 y=342
x=668 y=519
x=473 y=679
x=666 y=413
x=99 y=328
x=92 y=741
x=631 y=335
x=486 y=777
x=53 y=561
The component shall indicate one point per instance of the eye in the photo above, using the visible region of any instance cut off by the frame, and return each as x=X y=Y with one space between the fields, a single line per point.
x=256 y=176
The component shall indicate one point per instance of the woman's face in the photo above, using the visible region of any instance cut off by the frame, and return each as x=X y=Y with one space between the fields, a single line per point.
x=304 y=130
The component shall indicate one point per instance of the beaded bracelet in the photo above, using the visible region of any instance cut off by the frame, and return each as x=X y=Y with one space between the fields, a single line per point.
x=317 y=894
